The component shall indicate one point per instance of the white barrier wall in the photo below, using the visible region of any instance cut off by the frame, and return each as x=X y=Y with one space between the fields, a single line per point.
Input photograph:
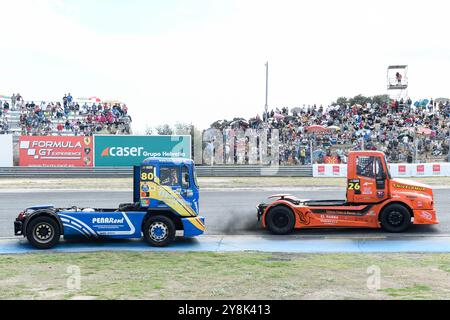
x=420 y=170
x=330 y=170
x=398 y=170
x=6 y=150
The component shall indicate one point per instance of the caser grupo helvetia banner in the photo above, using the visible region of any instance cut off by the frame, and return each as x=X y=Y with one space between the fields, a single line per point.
x=125 y=151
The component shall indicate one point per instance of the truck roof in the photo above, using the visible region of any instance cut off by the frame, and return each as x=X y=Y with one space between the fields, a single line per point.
x=173 y=161
x=367 y=152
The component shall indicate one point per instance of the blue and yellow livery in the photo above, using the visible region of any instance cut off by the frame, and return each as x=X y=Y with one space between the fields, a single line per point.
x=166 y=203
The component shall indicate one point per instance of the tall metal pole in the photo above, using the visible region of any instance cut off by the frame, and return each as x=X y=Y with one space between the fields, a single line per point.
x=267 y=89
x=416 y=151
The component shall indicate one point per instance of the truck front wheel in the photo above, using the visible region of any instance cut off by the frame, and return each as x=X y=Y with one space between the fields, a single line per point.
x=395 y=218
x=280 y=220
x=159 y=231
x=43 y=232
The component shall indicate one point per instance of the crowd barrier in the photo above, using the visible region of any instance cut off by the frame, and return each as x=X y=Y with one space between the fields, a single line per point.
x=73 y=154
x=319 y=171
x=112 y=172
x=398 y=170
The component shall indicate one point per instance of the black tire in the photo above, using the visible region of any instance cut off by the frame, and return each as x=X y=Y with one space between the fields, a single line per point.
x=280 y=220
x=43 y=232
x=159 y=231
x=395 y=218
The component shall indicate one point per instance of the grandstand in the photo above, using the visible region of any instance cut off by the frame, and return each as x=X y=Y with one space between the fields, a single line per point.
x=405 y=131
x=65 y=118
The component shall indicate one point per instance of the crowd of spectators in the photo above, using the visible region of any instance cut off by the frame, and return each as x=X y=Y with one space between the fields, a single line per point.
x=404 y=130
x=68 y=116
x=5 y=107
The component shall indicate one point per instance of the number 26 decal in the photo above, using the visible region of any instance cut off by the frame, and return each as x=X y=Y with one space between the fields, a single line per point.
x=354 y=185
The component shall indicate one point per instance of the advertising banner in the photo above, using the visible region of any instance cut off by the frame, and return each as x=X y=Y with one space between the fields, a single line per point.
x=397 y=170
x=6 y=156
x=56 y=151
x=401 y=170
x=330 y=170
x=126 y=151
x=430 y=169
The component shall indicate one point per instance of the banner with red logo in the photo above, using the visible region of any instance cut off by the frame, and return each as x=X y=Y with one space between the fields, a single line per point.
x=437 y=169
x=420 y=169
x=397 y=170
x=400 y=169
x=330 y=170
x=56 y=151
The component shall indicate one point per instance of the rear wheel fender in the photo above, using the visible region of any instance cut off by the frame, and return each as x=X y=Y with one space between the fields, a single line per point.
x=272 y=206
x=47 y=213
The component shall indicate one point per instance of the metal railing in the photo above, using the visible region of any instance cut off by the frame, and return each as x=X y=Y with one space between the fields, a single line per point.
x=111 y=172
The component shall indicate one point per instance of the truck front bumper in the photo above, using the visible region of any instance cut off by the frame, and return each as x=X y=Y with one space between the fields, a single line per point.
x=193 y=226
x=425 y=217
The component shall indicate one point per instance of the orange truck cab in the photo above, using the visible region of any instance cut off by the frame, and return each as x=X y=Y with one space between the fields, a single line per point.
x=374 y=200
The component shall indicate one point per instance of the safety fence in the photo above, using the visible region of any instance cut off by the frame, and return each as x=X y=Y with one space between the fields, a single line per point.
x=111 y=172
x=318 y=170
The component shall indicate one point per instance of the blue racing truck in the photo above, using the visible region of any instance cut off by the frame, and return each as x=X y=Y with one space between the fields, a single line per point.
x=166 y=200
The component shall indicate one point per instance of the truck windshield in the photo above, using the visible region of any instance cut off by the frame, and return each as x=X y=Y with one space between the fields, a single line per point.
x=365 y=167
x=169 y=176
x=387 y=168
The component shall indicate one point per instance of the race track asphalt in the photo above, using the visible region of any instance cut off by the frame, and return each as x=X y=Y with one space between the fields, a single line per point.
x=227 y=212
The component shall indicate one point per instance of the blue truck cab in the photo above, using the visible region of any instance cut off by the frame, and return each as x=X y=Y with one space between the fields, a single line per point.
x=165 y=204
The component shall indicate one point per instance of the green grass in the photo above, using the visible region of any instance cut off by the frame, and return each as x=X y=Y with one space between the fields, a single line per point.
x=418 y=291
x=249 y=275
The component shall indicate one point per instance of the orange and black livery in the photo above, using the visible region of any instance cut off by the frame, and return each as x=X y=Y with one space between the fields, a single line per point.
x=374 y=200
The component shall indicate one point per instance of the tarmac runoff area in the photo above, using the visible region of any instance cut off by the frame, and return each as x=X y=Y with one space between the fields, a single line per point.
x=437 y=244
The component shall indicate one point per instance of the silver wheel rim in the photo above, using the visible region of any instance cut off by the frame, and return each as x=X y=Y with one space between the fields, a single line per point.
x=158 y=231
x=43 y=233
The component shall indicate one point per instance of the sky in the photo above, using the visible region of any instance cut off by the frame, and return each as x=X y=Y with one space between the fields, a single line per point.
x=197 y=61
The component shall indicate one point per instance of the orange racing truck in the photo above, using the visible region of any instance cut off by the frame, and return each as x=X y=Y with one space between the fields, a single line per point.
x=374 y=200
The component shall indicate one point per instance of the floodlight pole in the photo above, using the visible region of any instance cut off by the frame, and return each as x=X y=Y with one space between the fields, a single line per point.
x=266 y=108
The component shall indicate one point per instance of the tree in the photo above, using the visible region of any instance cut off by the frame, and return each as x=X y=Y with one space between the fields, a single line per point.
x=359 y=99
x=183 y=128
x=148 y=131
x=380 y=99
x=342 y=101
x=164 y=130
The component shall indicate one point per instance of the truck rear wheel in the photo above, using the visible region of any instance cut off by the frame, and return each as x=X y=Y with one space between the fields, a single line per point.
x=395 y=218
x=43 y=232
x=159 y=231
x=280 y=220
